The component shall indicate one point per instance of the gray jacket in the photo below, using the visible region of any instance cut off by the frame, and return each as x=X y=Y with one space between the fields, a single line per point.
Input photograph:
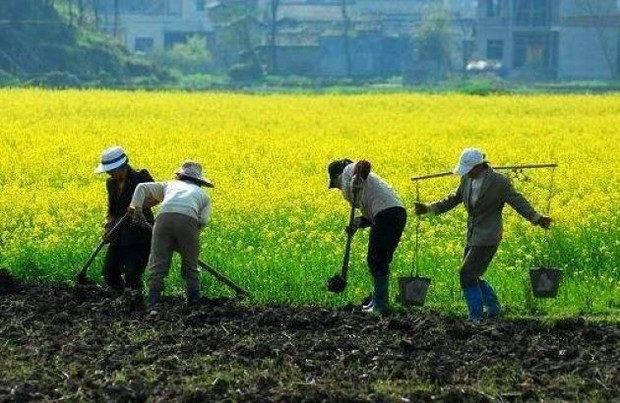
x=484 y=218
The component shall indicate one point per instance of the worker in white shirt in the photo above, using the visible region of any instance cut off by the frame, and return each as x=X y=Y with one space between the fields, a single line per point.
x=382 y=211
x=185 y=210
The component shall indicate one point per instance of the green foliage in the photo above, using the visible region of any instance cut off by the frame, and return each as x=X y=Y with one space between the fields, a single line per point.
x=432 y=43
x=191 y=57
x=248 y=70
x=40 y=47
x=7 y=80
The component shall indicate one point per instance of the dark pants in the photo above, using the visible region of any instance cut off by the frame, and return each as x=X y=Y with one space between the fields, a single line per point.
x=127 y=260
x=385 y=234
x=476 y=260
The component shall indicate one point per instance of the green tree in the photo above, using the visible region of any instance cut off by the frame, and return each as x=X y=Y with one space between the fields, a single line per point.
x=432 y=41
x=190 y=57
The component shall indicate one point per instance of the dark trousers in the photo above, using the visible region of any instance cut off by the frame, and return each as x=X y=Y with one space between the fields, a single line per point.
x=476 y=260
x=385 y=234
x=127 y=260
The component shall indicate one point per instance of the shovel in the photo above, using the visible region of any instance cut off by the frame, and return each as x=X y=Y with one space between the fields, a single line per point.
x=81 y=276
x=338 y=282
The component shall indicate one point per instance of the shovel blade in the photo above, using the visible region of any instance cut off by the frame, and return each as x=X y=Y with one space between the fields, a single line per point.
x=336 y=284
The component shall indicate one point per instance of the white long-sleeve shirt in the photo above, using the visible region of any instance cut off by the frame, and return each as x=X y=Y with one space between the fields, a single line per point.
x=376 y=194
x=176 y=197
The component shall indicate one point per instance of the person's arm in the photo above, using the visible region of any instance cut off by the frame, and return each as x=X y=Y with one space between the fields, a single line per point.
x=519 y=203
x=204 y=216
x=144 y=191
x=110 y=219
x=149 y=201
x=448 y=203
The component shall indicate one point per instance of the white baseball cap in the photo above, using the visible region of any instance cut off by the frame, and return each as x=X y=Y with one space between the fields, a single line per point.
x=111 y=158
x=470 y=157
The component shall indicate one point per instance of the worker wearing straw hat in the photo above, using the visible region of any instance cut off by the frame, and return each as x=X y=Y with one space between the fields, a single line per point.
x=185 y=209
x=483 y=192
x=128 y=251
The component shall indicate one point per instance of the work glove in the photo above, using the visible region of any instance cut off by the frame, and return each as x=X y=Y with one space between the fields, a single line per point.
x=362 y=169
x=355 y=225
x=137 y=216
x=420 y=208
x=544 y=222
x=106 y=230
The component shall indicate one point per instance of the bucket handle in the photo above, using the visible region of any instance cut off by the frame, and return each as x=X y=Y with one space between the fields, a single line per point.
x=546 y=236
x=416 y=250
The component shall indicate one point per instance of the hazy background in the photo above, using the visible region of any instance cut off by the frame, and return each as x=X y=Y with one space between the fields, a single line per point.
x=469 y=45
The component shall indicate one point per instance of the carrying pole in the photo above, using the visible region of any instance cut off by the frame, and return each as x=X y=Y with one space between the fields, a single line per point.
x=546 y=240
x=506 y=167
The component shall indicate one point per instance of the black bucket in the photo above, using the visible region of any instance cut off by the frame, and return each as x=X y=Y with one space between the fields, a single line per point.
x=413 y=290
x=545 y=281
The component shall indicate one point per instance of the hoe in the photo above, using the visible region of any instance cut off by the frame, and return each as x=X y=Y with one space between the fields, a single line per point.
x=81 y=279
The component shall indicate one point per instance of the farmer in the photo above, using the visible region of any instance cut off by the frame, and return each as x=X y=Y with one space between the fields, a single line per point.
x=382 y=211
x=483 y=193
x=128 y=252
x=185 y=210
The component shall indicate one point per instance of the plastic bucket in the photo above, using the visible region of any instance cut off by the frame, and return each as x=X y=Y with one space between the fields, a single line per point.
x=545 y=281
x=413 y=290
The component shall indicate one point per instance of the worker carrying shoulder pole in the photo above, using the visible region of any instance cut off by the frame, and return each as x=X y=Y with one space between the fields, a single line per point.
x=483 y=192
x=382 y=211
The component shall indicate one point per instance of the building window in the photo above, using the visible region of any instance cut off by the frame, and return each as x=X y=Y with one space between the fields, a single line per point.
x=143 y=45
x=531 y=13
x=532 y=50
x=493 y=8
x=495 y=49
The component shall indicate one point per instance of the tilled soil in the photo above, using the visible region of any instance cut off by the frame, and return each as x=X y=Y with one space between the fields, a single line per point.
x=59 y=342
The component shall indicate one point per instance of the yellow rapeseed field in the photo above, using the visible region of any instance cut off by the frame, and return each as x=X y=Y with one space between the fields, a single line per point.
x=276 y=228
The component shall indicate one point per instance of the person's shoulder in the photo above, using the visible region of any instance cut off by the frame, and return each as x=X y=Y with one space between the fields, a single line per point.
x=499 y=177
x=144 y=175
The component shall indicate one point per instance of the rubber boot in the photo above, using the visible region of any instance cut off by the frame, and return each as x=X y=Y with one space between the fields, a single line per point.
x=368 y=302
x=192 y=296
x=473 y=298
x=489 y=298
x=153 y=298
x=380 y=297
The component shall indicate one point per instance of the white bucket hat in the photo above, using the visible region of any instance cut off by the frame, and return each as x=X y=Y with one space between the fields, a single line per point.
x=193 y=170
x=111 y=158
x=470 y=157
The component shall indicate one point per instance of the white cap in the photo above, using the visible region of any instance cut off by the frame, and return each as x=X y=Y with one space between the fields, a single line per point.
x=470 y=157
x=111 y=158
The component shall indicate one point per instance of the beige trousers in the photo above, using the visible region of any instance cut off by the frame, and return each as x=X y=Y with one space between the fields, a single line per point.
x=174 y=232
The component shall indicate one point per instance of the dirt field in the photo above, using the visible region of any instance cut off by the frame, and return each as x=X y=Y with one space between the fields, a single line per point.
x=57 y=342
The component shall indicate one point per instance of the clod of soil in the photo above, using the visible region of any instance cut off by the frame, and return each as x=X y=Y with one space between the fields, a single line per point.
x=8 y=283
x=79 y=343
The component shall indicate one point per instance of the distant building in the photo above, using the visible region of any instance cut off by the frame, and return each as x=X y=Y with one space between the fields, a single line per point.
x=550 y=39
x=356 y=38
x=154 y=25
